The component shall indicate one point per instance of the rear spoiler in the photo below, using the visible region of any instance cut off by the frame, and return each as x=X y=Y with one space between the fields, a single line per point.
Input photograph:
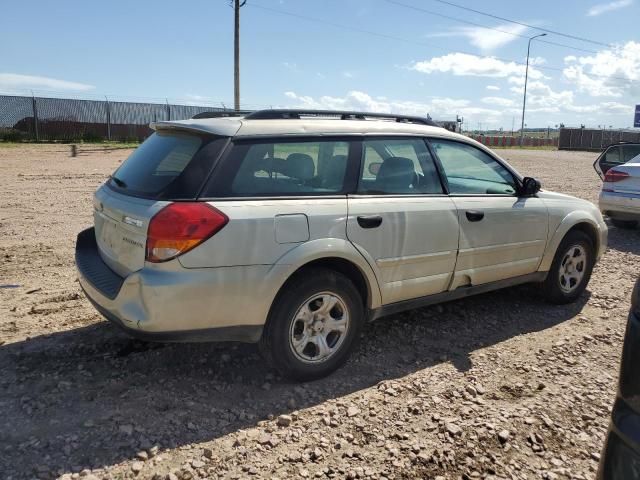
x=226 y=127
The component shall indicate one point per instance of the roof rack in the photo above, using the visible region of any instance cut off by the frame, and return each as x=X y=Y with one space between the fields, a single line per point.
x=279 y=114
x=220 y=113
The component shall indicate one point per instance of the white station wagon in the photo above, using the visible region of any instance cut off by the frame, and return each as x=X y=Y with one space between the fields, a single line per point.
x=294 y=228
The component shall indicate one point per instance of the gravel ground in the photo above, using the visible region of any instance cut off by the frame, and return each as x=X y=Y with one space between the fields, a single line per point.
x=501 y=385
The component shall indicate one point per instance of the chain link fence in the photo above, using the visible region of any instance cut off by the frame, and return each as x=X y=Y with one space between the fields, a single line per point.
x=71 y=120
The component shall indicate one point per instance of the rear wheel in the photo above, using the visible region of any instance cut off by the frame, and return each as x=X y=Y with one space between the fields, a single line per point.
x=624 y=223
x=313 y=326
x=571 y=268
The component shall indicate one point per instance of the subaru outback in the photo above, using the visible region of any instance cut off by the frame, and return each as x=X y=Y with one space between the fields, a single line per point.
x=293 y=228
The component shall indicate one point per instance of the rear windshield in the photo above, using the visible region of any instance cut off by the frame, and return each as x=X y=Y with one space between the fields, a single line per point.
x=168 y=165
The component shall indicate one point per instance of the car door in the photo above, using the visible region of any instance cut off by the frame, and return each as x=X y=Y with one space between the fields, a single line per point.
x=608 y=159
x=401 y=220
x=502 y=235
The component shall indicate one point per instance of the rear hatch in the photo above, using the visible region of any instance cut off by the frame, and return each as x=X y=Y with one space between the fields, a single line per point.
x=169 y=166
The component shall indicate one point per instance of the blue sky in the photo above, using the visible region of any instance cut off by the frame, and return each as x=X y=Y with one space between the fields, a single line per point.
x=389 y=58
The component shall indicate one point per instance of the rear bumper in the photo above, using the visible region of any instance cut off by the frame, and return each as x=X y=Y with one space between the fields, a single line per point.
x=170 y=303
x=623 y=206
x=621 y=454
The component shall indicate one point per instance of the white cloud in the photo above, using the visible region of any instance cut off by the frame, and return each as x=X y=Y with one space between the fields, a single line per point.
x=15 y=81
x=498 y=101
x=493 y=112
x=347 y=75
x=439 y=107
x=483 y=38
x=616 y=107
x=493 y=88
x=291 y=66
x=609 y=73
x=462 y=64
x=195 y=99
x=537 y=61
x=601 y=8
x=542 y=98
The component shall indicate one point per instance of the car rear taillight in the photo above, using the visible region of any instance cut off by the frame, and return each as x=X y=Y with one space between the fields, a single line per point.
x=615 y=175
x=179 y=227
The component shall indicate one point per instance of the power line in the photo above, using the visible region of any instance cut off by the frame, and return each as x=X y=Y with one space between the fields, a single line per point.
x=456 y=19
x=566 y=35
x=405 y=40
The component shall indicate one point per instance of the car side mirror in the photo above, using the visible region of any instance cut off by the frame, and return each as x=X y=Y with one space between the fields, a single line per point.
x=374 y=168
x=530 y=186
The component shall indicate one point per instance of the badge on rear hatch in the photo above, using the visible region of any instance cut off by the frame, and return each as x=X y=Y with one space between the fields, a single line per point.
x=132 y=221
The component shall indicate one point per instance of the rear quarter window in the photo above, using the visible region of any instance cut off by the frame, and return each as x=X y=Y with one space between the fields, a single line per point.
x=168 y=165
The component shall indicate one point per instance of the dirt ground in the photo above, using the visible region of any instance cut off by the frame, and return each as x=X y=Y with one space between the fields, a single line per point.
x=501 y=385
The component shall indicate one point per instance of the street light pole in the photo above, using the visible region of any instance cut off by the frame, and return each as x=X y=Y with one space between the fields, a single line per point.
x=526 y=78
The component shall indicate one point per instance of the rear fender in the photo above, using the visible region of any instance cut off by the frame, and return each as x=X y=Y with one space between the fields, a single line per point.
x=318 y=249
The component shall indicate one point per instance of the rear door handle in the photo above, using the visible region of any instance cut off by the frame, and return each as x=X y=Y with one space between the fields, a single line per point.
x=474 y=215
x=369 y=221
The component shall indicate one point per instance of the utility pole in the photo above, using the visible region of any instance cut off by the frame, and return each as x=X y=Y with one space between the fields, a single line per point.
x=237 y=5
x=526 y=77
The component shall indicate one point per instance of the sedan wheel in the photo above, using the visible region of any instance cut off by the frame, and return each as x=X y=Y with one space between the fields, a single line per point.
x=314 y=324
x=319 y=327
x=572 y=268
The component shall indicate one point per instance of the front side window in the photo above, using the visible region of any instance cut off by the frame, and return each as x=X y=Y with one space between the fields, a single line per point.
x=283 y=169
x=398 y=166
x=470 y=171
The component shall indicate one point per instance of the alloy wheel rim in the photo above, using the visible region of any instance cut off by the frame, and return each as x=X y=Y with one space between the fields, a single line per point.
x=319 y=327
x=572 y=268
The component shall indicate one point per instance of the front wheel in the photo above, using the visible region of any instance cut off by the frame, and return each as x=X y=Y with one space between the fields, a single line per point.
x=571 y=268
x=314 y=325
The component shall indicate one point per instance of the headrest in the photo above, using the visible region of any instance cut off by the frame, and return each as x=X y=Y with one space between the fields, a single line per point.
x=300 y=166
x=393 y=166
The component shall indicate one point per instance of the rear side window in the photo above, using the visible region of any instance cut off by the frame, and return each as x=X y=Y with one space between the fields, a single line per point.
x=629 y=152
x=398 y=166
x=612 y=155
x=168 y=165
x=282 y=169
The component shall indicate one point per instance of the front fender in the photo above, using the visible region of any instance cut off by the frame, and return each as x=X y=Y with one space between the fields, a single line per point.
x=324 y=248
x=568 y=222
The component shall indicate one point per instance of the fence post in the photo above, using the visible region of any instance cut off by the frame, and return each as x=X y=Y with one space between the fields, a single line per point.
x=35 y=116
x=108 y=118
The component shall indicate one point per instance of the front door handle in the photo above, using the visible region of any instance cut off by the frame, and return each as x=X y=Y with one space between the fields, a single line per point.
x=474 y=215
x=369 y=221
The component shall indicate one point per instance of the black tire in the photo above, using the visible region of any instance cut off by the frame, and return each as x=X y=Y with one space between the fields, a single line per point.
x=554 y=289
x=275 y=344
x=627 y=224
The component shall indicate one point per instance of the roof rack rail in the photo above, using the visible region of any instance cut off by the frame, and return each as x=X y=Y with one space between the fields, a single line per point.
x=220 y=113
x=279 y=114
